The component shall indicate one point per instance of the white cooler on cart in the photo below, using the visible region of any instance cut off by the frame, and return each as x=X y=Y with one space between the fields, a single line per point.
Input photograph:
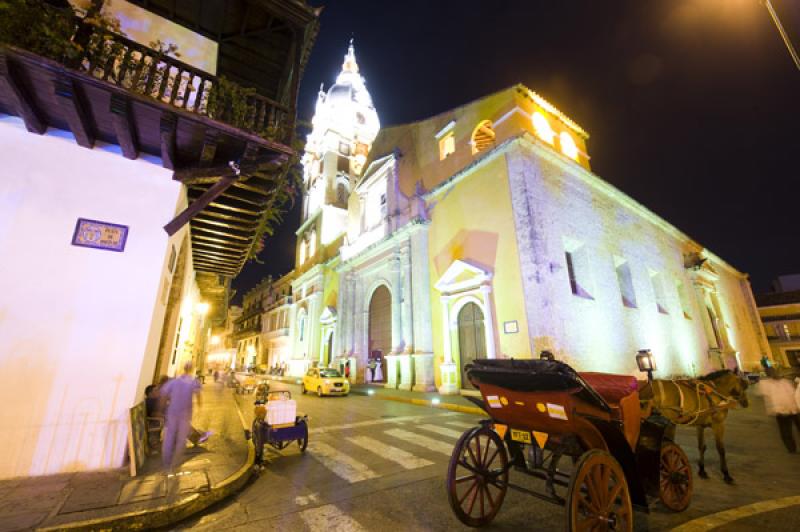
x=281 y=412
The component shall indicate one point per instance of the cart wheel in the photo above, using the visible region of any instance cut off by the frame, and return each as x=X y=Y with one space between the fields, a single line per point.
x=303 y=442
x=258 y=443
x=477 y=476
x=319 y=391
x=675 y=480
x=598 y=497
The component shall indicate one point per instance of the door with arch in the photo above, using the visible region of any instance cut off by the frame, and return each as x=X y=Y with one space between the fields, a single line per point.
x=380 y=332
x=471 y=338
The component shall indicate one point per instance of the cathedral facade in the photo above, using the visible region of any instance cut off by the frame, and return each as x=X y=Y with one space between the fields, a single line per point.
x=482 y=232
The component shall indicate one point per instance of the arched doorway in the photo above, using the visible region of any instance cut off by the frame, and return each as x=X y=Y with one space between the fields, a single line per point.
x=380 y=330
x=471 y=338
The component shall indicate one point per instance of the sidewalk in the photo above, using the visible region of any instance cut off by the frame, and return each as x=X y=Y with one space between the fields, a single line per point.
x=455 y=403
x=111 y=500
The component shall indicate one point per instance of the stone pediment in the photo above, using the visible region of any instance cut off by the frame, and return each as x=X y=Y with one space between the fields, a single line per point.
x=460 y=276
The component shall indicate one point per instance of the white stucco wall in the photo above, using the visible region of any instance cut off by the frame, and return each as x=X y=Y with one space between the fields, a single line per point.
x=555 y=208
x=78 y=326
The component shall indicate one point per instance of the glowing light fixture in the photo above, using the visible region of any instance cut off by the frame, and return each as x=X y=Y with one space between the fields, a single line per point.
x=568 y=146
x=542 y=127
x=646 y=362
x=202 y=308
x=215 y=340
x=435 y=401
x=370 y=392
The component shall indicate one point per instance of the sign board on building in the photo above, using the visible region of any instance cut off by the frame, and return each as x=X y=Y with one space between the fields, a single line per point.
x=100 y=235
x=137 y=437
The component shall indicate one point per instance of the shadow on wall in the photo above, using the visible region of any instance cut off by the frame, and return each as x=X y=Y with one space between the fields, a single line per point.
x=476 y=247
x=25 y=390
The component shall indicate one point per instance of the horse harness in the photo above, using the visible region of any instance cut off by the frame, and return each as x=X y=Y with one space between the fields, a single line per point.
x=702 y=389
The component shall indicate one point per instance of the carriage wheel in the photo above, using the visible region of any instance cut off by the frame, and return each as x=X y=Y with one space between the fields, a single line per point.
x=303 y=442
x=598 y=496
x=477 y=476
x=675 y=479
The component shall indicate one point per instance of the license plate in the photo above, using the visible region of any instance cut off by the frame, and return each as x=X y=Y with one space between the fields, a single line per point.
x=521 y=436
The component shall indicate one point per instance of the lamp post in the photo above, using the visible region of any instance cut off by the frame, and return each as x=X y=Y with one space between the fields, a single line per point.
x=646 y=362
x=782 y=32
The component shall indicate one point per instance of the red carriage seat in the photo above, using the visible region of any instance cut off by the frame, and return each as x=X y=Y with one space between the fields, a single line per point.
x=621 y=392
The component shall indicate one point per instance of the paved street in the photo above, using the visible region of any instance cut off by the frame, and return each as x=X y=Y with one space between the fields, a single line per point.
x=380 y=465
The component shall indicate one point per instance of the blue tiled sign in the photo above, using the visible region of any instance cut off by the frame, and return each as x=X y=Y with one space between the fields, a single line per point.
x=100 y=235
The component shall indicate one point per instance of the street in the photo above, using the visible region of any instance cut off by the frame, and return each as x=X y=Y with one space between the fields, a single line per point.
x=380 y=465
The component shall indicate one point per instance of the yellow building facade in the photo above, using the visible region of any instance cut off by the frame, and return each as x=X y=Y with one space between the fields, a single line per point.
x=482 y=233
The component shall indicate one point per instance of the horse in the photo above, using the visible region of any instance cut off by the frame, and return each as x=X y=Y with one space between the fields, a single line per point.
x=702 y=403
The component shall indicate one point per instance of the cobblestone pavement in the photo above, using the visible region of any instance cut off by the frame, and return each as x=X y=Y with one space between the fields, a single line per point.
x=380 y=465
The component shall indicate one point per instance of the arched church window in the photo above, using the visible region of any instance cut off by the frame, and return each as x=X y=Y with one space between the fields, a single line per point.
x=482 y=137
x=568 y=146
x=542 y=127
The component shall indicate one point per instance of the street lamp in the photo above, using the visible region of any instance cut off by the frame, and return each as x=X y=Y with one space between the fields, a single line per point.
x=784 y=36
x=646 y=362
x=202 y=308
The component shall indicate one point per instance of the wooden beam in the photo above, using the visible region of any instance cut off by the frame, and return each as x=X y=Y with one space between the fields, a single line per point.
x=216 y=249
x=217 y=232
x=190 y=175
x=209 y=149
x=227 y=225
x=199 y=204
x=232 y=208
x=123 y=125
x=214 y=262
x=70 y=101
x=216 y=271
x=23 y=105
x=208 y=213
x=168 y=127
x=226 y=242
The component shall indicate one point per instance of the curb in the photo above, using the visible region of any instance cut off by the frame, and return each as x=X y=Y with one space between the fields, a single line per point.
x=425 y=402
x=168 y=514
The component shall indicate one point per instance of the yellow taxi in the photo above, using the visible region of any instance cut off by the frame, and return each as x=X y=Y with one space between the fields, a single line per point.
x=325 y=381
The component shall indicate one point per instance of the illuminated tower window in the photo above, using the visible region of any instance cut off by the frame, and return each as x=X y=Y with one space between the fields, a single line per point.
x=542 y=127
x=482 y=137
x=568 y=146
x=447 y=145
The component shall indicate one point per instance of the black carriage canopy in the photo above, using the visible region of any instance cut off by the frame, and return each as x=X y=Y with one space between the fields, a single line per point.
x=533 y=375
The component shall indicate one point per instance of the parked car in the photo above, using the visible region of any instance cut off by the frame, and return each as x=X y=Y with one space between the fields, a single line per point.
x=325 y=381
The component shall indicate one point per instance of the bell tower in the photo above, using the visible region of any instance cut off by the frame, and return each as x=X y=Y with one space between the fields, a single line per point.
x=343 y=127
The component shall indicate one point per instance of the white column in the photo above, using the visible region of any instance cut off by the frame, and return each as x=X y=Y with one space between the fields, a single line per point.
x=408 y=339
x=448 y=355
x=447 y=369
x=397 y=297
x=421 y=293
x=488 y=321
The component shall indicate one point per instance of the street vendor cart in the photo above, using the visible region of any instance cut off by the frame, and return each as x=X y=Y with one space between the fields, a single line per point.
x=277 y=423
x=586 y=435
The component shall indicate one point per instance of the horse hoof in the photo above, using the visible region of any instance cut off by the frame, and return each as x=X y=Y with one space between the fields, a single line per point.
x=702 y=474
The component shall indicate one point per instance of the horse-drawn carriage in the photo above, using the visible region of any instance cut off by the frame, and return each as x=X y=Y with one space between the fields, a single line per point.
x=542 y=411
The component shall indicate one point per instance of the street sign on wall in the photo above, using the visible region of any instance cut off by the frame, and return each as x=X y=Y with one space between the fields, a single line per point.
x=100 y=235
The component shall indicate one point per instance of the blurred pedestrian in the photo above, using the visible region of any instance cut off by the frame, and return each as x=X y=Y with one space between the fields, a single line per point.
x=780 y=401
x=178 y=394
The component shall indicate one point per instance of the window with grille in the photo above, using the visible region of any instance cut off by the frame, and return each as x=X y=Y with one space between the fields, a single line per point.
x=482 y=137
x=447 y=146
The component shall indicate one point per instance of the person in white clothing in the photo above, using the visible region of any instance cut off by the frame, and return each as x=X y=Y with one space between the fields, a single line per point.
x=780 y=401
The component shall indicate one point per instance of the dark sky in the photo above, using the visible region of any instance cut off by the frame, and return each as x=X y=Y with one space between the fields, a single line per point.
x=692 y=105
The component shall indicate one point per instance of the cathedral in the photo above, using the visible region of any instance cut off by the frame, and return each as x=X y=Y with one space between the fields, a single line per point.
x=482 y=232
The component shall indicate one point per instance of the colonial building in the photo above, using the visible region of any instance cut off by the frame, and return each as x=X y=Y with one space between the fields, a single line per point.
x=482 y=232
x=141 y=184
x=780 y=313
x=277 y=322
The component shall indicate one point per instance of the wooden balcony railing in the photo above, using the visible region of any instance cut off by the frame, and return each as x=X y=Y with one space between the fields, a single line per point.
x=155 y=74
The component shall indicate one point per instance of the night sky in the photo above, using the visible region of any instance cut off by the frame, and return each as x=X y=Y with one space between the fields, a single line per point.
x=691 y=105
